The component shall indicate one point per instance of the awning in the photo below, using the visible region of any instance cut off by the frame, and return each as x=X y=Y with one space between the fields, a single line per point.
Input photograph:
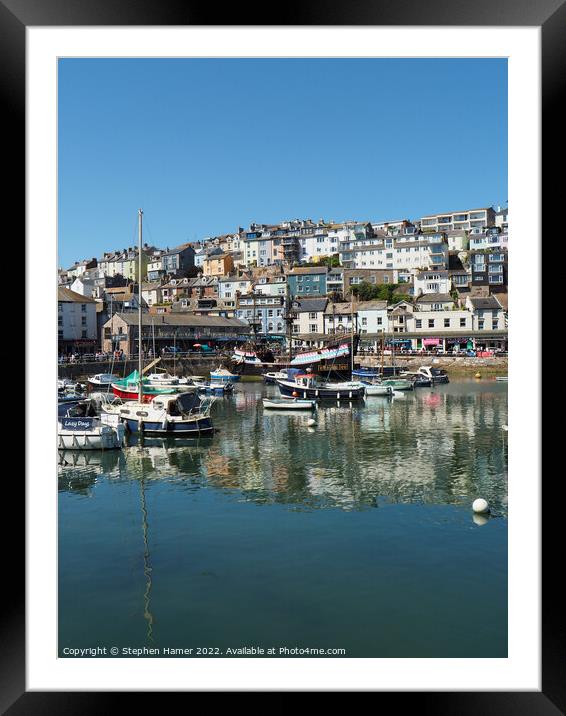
x=431 y=341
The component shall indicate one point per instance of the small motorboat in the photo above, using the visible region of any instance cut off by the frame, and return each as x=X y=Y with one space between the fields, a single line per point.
x=436 y=375
x=224 y=375
x=271 y=378
x=306 y=385
x=128 y=388
x=175 y=415
x=292 y=404
x=398 y=383
x=502 y=378
x=81 y=429
x=216 y=387
x=102 y=380
x=378 y=389
x=166 y=380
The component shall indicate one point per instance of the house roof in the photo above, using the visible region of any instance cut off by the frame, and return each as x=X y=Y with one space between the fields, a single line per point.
x=307 y=269
x=65 y=295
x=311 y=305
x=371 y=305
x=188 y=319
x=339 y=308
x=435 y=298
x=490 y=302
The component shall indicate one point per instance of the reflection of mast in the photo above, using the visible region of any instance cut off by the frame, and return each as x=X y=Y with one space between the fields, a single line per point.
x=148 y=616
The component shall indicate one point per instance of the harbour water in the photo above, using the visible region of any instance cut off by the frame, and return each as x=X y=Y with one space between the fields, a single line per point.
x=355 y=534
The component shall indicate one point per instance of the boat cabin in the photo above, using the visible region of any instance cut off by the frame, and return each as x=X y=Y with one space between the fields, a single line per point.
x=306 y=380
x=178 y=404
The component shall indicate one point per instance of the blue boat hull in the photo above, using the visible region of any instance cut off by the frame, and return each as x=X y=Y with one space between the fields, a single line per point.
x=321 y=393
x=203 y=426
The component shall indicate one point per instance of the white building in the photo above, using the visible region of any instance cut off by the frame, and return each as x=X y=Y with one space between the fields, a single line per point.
x=76 y=318
x=431 y=282
x=467 y=219
x=372 y=316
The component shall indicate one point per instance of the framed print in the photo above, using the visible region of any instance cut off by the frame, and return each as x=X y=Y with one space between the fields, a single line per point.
x=289 y=428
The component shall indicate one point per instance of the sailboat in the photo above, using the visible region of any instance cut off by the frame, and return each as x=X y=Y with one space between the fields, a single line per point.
x=166 y=412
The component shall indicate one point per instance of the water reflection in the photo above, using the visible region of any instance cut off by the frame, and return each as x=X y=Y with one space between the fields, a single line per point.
x=441 y=445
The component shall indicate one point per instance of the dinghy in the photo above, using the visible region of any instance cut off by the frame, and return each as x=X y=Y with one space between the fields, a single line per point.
x=292 y=404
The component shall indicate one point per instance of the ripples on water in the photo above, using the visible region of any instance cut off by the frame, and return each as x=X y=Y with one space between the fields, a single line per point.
x=267 y=533
x=441 y=445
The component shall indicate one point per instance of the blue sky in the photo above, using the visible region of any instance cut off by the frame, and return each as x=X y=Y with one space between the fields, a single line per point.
x=205 y=146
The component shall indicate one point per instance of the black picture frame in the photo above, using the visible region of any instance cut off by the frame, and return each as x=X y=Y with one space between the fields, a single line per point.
x=15 y=16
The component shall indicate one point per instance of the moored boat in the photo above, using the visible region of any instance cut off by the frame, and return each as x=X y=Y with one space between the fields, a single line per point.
x=398 y=383
x=378 y=389
x=181 y=414
x=79 y=428
x=224 y=375
x=293 y=404
x=129 y=387
x=271 y=377
x=307 y=385
x=102 y=380
x=436 y=375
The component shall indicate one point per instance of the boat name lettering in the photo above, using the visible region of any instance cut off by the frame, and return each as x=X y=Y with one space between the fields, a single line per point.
x=78 y=423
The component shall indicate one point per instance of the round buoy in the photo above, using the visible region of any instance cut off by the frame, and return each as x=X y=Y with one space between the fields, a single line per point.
x=311 y=421
x=505 y=427
x=480 y=506
x=478 y=375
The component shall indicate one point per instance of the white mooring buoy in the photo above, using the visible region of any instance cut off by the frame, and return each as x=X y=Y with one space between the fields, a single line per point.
x=480 y=506
x=505 y=427
x=311 y=421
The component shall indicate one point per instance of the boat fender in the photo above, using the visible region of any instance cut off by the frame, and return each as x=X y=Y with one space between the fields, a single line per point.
x=141 y=426
x=165 y=423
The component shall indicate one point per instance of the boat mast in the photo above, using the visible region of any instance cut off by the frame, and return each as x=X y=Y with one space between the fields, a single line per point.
x=352 y=321
x=140 y=364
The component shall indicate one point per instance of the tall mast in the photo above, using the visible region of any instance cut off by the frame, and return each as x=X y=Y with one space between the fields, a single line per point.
x=140 y=365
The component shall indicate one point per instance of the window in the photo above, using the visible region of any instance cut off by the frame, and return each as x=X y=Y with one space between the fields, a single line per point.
x=462 y=322
x=446 y=323
x=312 y=328
x=83 y=307
x=364 y=321
x=481 y=325
x=431 y=322
x=83 y=321
x=419 y=323
x=84 y=334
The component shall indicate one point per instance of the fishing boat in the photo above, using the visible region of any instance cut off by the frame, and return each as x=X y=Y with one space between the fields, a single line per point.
x=293 y=404
x=307 y=385
x=102 y=380
x=79 y=428
x=224 y=375
x=182 y=414
x=502 y=378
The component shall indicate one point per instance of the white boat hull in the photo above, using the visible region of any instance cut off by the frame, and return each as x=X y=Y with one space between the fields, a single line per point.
x=289 y=404
x=99 y=437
